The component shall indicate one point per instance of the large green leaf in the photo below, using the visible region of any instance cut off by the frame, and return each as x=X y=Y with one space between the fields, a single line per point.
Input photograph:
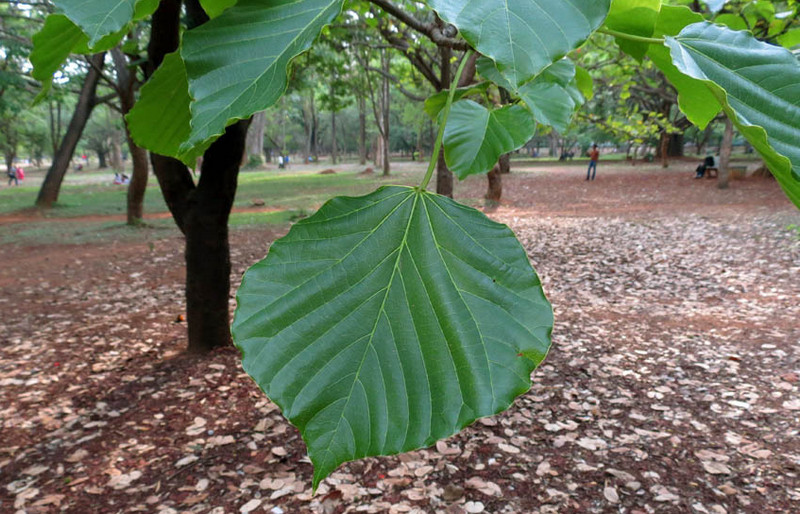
x=437 y=102
x=759 y=86
x=585 y=82
x=216 y=7
x=637 y=17
x=475 y=137
x=58 y=38
x=553 y=96
x=167 y=91
x=694 y=98
x=237 y=63
x=100 y=18
x=385 y=323
x=52 y=45
x=523 y=36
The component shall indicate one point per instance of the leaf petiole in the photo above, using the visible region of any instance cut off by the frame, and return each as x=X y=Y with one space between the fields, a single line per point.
x=631 y=37
x=437 y=147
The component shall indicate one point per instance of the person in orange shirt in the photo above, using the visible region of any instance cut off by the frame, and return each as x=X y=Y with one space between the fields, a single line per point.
x=594 y=156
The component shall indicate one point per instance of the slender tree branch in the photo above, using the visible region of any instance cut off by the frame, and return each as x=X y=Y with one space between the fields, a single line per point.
x=430 y=30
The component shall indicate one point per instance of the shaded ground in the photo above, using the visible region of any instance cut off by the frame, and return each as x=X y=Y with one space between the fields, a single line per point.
x=672 y=385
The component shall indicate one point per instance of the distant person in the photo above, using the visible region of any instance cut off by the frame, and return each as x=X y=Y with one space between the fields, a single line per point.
x=594 y=156
x=701 y=170
x=12 y=176
x=20 y=174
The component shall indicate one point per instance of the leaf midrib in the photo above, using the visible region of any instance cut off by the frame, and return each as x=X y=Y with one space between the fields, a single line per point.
x=381 y=312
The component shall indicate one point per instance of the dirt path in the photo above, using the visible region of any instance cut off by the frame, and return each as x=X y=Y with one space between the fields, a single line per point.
x=672 y=386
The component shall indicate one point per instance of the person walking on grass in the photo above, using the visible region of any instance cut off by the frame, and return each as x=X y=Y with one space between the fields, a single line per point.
x=594 y=156
x=12 y=176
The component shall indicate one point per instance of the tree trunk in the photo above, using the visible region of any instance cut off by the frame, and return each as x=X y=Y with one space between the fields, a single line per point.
x=138 y=186
x=676 y=144
x=386 y=99
x=444 y=177
x=48 y=194
x=126 y=88
x=334 y=156
x=101 y=160
x=255 y=139
x=362 y=130
x=553 y=140
x=55 y=125
x=202 y=211
x=445 y=183
x=664 y=150
x=208 y=264
x=10 y=158
x=116 y=151
x=495 y=189
x=725 y=151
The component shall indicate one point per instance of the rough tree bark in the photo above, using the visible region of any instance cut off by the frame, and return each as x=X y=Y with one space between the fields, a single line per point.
x=201 y=211
x=51 y=187
x=362 y=129
x=723 y=181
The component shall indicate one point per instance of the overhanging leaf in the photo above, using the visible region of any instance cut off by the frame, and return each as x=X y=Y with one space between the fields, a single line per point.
x=216 y=7
x=553 y=96
x=694 y=98
x=637 y=17
x=237 y=63
x=759 y=86
x=523 y=36
x=475 y=137
x=384 y=323
x=52 y=46
x=100 y=18
x=584 y=82
x=435 y=103
x=165 y=97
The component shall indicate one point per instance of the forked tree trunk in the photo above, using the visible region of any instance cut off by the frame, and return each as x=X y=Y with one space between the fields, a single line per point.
x=48 y=194
x=723 y=181
x=202 y=211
